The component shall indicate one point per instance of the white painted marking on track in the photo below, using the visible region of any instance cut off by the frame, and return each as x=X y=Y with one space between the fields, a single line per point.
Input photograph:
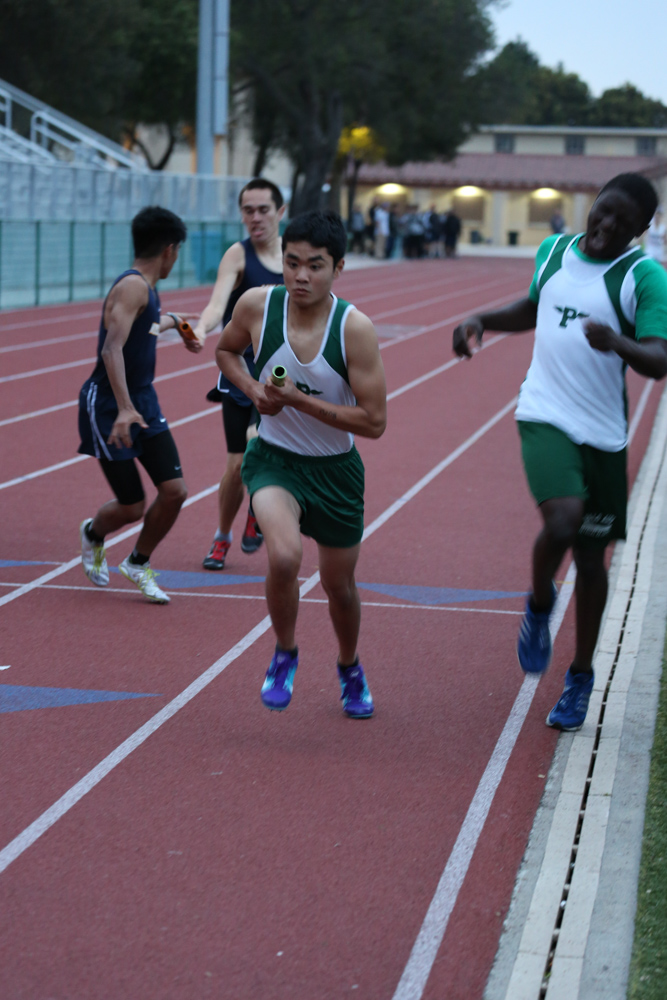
x=34 y=831
x=38 y=413
x=80 y=458
x=108 y=543
x=391 y=312
x=424 y=952
x=7 y=667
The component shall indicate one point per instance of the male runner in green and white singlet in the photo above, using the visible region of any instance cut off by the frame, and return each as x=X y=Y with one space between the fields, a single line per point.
x=598 y=304
x=303 y=472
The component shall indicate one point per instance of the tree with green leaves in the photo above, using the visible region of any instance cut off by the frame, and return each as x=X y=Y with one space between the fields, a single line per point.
x=399 y=68
x=627 y=107
x=109 y=66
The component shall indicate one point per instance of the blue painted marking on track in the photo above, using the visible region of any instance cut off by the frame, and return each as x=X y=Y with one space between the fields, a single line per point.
x=439 y=595
x=25 y=562
x=18 y=698
x=182 y=580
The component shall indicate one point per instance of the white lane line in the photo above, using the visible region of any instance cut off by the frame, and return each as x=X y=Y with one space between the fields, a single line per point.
x=70 y=318
x=81 y=458
x=48 y=371
x=38 y=413
x=434 y=301
x=424 y=952
x=66 y=567
x=415 y=975
x=32 y=344
x=225 y=595
x=55 y=812
x=167 y=343
x=186 y=371
x=202 y=413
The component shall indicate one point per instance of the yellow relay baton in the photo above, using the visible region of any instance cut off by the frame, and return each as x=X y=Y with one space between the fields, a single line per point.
x=278 y=375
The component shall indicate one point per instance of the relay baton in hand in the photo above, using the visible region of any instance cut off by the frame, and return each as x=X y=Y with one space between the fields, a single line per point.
x=278 y=375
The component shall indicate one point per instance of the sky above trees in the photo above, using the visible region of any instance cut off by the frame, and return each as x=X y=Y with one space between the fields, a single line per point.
x=606 y=42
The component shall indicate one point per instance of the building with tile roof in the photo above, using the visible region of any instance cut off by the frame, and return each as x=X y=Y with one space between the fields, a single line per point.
x=507 y=182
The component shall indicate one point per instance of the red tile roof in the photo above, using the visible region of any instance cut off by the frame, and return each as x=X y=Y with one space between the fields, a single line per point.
x=515 y=170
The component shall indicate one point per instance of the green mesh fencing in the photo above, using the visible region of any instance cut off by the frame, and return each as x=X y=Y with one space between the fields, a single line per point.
x=50 y=262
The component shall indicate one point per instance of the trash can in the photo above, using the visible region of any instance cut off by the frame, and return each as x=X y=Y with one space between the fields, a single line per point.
x=513 y=238
x=476 y=236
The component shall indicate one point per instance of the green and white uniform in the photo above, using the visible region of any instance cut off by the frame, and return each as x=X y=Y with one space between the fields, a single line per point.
x=316 y=463
x=572 y=409
x=569 y=384
x=324 y=377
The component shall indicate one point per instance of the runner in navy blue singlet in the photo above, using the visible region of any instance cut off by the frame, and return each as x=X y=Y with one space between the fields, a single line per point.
x=119 y=413
x=254 y=262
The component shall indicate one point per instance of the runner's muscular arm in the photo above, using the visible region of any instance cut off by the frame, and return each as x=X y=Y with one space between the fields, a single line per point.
x=647 y=356
x=126 y=301
x=366 y=374
x=230 y=270
x=516 y=318
x=244 y=329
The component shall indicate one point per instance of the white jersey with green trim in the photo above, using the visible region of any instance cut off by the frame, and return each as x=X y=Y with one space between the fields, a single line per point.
x=325 y=377
x=569 y=384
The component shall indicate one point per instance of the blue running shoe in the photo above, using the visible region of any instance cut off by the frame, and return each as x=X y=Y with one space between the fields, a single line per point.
x=277 y=688
x=570 y=710
x=534 y=643
x=356 y=696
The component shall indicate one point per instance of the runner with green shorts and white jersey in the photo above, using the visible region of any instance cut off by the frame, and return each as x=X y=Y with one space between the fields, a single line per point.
x=597 y=304
x=303 y=472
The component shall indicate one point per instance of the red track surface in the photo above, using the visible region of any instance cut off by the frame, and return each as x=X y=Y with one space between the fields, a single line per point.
x=238 y=854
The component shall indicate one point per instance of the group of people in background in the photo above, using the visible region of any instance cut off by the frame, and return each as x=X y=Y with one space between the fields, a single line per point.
x=393 y=230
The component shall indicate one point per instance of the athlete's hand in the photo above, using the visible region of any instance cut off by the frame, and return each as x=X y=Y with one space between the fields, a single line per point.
x=270 y=399
x=600 y=336
x=464 y=333
x=120 y=432
x=194 y=346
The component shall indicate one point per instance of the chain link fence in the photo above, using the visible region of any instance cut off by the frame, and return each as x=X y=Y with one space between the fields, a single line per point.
x=54 y=262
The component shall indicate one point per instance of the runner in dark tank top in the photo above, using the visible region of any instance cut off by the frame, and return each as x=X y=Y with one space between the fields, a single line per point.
x=250 y=263
x=120 y=419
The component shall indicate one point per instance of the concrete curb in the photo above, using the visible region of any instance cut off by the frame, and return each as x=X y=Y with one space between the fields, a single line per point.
x=570 y=927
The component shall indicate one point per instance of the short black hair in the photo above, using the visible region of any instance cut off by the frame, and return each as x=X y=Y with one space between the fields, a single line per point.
x=639 y=189
x=320 y=229
x=155 y=228
x=260 y=184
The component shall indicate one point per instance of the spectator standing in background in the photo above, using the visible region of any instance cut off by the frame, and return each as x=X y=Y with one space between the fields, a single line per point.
x=451 y=233
x=557 y=223
x=357 y=229
x=381 y=231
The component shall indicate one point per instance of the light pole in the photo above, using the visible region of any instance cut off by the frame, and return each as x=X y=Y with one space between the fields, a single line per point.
x=212 y=80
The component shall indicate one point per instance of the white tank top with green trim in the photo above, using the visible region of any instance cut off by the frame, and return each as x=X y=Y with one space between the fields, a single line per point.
x=325 y=377
x=569 y=384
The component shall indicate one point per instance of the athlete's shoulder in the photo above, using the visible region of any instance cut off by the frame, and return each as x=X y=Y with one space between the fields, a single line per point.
x=130 y=288
x=361 y=337
x=233 y=262
x=254 y=299
x=650 y=275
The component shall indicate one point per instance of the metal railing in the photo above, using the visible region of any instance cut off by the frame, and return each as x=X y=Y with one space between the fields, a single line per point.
x=51 y=193
x=54 y=262
x=61 y=135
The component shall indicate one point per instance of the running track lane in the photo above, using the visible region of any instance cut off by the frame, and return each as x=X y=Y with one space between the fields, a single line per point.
x=232 y=834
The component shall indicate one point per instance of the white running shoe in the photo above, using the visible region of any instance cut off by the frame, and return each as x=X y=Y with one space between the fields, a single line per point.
x=93 y=557
x=144 y=577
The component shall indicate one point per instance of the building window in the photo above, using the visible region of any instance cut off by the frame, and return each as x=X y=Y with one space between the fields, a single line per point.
x=575 y=145
x=542 y=207
x=646 y=145
x=469 y=208
x=504 y=143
